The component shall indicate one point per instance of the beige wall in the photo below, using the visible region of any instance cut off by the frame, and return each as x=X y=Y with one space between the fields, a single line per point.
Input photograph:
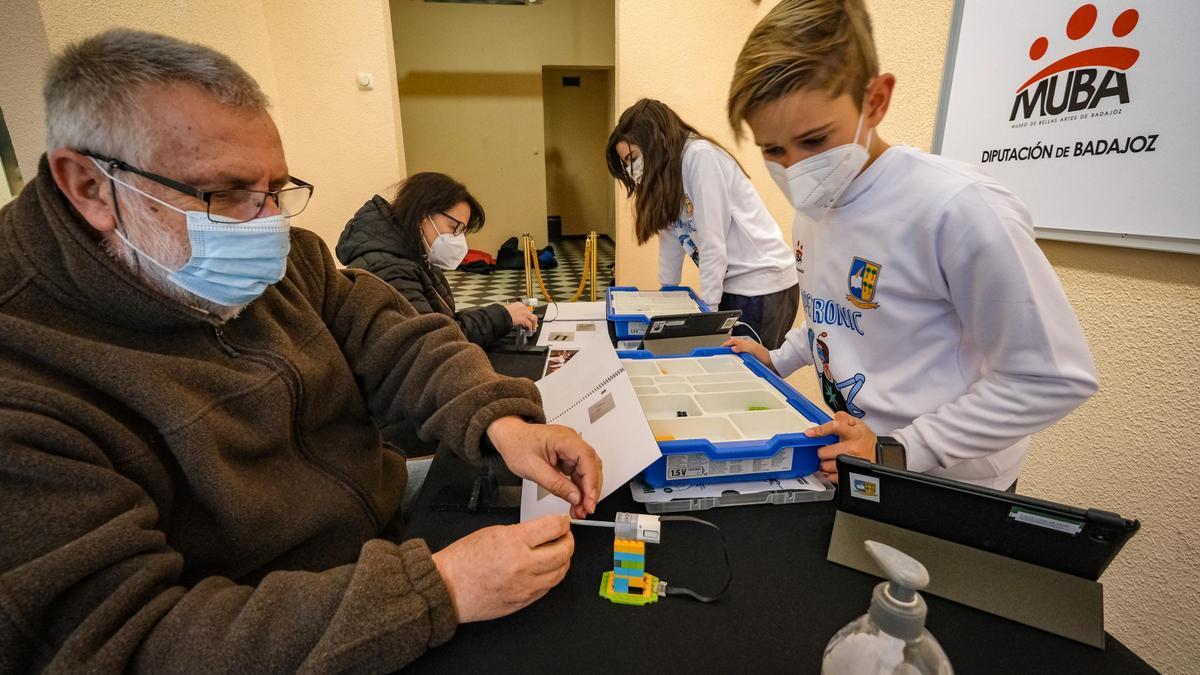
x=577 y=122
x=685 y=60
x=1133 y=447
x=24 y=51
x=470 y=79
x=342 y=139
x=305 y=54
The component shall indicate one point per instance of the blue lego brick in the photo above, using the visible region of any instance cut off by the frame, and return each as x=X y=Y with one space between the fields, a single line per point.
x=636 y=557
x=620 y=585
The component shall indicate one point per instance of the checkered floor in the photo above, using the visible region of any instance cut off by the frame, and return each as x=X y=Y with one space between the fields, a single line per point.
x=503 y=286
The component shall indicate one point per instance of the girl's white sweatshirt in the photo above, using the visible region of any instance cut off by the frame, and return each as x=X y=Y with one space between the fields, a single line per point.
x=725 y=229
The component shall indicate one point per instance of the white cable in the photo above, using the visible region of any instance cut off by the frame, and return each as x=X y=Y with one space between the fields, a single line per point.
x=593 y=523
x=751 y=329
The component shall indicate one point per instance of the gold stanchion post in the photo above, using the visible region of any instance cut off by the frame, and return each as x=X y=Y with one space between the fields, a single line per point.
x=526 y=240
x=594 y=245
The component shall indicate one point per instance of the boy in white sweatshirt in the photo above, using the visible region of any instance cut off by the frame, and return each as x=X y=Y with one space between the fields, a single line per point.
x=932 y=317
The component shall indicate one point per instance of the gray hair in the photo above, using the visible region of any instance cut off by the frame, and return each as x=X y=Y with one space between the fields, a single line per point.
x=94 y=89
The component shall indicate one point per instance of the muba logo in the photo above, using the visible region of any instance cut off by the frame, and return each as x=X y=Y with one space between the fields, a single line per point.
x=1082 y=80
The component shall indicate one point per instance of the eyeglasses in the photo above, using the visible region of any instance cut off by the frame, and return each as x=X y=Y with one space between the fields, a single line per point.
x=459 y=226
x=230 y=206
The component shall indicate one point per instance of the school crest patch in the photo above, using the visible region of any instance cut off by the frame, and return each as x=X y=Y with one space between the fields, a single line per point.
x=864 y=276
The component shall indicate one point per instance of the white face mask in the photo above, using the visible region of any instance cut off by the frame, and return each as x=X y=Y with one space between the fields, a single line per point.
x=817 y=183
x=448 y=250
x=635 y=169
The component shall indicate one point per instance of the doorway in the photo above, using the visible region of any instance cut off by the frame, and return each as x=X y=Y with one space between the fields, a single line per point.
x=577 y=110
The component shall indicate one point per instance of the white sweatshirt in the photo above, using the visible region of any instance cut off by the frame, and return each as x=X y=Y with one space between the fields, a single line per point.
x=940 y=320
x=725 y=229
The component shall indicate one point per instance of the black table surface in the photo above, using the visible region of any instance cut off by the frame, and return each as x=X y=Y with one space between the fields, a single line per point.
x=785 y=603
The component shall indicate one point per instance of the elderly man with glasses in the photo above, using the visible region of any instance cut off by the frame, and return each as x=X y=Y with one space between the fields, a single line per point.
x=189 y=475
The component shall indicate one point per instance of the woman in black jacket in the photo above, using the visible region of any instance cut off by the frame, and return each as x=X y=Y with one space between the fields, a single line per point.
x=422 y=229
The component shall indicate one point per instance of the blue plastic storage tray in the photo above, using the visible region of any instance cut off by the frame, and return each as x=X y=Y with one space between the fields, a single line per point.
x=633 y=326
x=704 y=460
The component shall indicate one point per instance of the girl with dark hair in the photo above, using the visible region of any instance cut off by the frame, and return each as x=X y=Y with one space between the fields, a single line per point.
x=409 y=241
x=695 y=196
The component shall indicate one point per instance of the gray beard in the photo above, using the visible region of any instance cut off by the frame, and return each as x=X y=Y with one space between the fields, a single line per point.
x=158 y=242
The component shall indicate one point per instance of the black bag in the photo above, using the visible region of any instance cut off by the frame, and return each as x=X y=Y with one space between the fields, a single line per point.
x=510 y=257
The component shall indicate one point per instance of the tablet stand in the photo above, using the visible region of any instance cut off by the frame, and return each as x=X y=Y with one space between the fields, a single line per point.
x=1053 y=601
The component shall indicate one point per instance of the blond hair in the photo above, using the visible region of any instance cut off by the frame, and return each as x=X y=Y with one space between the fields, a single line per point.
x=803 y=44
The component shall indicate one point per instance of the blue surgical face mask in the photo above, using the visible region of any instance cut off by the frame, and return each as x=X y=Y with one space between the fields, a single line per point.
x=231 y=263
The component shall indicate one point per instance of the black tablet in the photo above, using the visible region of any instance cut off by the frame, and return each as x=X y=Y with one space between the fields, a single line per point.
x=1077 y=541
x=684 y=333
x=665 y=327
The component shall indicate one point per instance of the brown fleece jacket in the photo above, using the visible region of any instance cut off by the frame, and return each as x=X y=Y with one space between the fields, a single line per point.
x=180 y=495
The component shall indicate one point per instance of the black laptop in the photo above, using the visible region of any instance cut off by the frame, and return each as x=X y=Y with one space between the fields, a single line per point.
x=1077 y=541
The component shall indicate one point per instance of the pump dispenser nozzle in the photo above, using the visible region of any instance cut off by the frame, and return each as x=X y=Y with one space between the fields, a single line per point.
x=891 y=637
x=907 y=575
x=896 y=606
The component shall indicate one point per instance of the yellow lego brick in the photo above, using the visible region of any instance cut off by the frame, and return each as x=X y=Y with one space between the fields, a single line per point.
x=629 y=546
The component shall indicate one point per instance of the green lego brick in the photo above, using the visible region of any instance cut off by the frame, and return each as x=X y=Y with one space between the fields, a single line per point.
x=629 y=598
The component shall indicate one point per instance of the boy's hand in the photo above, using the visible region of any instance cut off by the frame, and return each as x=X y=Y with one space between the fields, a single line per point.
x=748 y=346
x=856 y=439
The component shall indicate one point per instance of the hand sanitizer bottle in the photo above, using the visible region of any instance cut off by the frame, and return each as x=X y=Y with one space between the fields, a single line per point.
x=891 y=637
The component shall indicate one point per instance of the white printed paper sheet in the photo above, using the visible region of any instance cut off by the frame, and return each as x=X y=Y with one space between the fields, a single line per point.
x=577 y=311
x=564 y=334
x=593 y=395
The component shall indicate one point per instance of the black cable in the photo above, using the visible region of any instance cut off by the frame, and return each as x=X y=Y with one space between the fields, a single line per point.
x=678 y=590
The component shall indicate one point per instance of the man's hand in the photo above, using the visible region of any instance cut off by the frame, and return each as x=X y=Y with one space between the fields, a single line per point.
x=856 y=438
x=553 y=456
x=497 y=570
x=741 y=344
